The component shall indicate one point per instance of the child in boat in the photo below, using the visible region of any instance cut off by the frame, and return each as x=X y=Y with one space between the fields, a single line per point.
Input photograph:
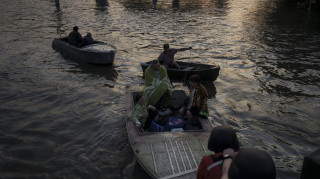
x=197 y=100
x=143 y=115
x=224 y=142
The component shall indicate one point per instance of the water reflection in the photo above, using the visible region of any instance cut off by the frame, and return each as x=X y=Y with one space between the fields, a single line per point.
x=48 y=97
x=57 y=2
x=58 y=15
x=107 y=72
x=175 y=4
x=291 y=60
x=211 y=89
x=102 y=5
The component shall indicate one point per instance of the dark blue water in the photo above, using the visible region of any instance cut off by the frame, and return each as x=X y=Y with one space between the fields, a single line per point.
x=63 y=118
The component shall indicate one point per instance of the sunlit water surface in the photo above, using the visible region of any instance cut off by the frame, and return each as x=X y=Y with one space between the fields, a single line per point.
x=62 y=118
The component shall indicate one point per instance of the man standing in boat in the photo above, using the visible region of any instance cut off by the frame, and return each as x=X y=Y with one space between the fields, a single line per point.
x=75 y=37
x=157 y=89
x=167 y=56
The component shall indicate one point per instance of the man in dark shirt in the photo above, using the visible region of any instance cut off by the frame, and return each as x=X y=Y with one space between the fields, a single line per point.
x=167 y=56
x=75 y=37
x=87 y=40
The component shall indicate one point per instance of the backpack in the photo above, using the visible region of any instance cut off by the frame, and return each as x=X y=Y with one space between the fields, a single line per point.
x=210 y=167
x=174 y=122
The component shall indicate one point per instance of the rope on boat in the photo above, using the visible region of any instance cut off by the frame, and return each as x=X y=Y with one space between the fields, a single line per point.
x=185 y=75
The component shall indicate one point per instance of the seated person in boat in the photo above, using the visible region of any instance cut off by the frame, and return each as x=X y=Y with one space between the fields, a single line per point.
x=197 y=100
x=87 y=40
x=249 y=163
x=143 y=115
x=157 y=89
x=167 y=56
x=224 y=143
x=75 y=37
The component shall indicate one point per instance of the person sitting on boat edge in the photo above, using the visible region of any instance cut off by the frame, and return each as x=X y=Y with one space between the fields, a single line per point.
x=143 y=115
x=197 y=100
x=224 y=142
x=75 y=37
x=167 y=56
x=157 y=88
x=87 y=40
x=250 y=163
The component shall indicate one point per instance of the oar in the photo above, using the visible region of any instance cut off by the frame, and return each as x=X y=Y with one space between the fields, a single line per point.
x=185 y=75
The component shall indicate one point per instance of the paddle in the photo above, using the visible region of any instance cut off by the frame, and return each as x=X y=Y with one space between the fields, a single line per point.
x=185 y=75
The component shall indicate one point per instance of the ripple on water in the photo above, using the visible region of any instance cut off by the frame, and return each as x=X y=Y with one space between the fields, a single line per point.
x=61 y=118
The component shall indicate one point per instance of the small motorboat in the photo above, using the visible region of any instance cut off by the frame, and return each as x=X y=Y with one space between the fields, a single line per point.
x=98 y=53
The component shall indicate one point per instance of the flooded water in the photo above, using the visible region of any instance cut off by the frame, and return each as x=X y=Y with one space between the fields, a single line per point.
x=62 y=118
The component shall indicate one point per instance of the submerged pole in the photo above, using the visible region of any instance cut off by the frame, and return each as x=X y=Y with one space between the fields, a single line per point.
x=57 y=3
x=309 y=7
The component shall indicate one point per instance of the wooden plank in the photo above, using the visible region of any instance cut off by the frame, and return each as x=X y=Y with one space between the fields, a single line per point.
x=153 y=158
x=182 y=160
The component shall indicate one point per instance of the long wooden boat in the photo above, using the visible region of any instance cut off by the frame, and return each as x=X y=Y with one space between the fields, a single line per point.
x=98 y=53
x=207 y=72
x=169 y=154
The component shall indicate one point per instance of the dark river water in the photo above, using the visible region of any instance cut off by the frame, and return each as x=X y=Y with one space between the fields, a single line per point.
x=63 y=119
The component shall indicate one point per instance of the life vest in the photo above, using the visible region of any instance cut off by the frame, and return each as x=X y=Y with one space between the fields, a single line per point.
x=210 y=167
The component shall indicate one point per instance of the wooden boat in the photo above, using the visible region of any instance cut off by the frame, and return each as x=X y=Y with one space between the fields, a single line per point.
x=169 y=154
x=98 y=53
x=207 y=72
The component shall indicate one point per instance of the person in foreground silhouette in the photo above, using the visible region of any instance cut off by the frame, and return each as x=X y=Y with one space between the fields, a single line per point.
x=224 y=143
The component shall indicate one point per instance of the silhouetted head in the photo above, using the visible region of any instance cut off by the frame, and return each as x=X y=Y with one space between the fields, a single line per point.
x=155 y=65
x=138 y=97
x=195 y=79
x=252 y=163
x=89 y=34
x=75 y=28
x=223 y=137
x=166 y=47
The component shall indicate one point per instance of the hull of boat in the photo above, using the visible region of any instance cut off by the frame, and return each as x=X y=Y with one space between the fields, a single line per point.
x=83 y=54
x=168 y=154
x=206 y=72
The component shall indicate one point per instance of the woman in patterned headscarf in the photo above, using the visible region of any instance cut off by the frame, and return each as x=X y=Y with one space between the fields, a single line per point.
x=197 y=100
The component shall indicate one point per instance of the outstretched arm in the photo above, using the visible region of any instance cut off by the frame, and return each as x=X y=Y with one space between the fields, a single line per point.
x=184 y=49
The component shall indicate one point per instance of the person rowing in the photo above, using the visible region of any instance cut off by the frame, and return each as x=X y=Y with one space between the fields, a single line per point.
x=167 y=56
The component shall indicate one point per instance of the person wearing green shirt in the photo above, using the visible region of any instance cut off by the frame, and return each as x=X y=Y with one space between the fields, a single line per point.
x=143 y=115
x=157 y=89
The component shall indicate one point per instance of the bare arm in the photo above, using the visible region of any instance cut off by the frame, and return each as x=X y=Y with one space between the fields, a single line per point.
x=227 y=162
x=184 y=49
